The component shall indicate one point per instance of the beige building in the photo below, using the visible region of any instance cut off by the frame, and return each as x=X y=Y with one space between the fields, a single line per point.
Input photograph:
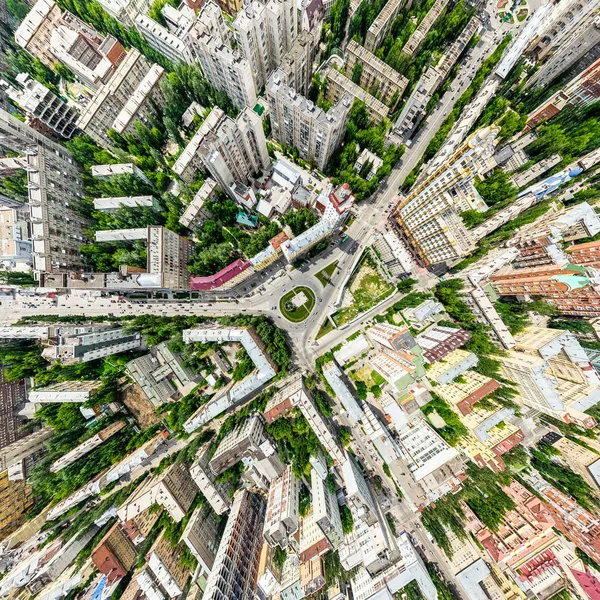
x=577 y=458
x=297 y=63
x=375 y=75
x=338 y=86
x=382 y=24
x=168 y=256
x=282 y=517
x=415 y=40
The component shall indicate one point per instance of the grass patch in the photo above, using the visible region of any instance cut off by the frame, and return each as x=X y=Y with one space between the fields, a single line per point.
x=300 y=313
x=325 y=328
x=367 y=287
x=325 y=274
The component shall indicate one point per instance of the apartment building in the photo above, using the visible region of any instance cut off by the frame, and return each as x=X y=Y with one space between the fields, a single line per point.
x=65 y=391
x=553 y=374
x=392 y=337
x=571 y=30
x=334 y=377
x=55 y=190
x=576 y=457
x=339 y=86
x=115 y=555
x=45 y=111
x=202 y=535
x=375 y=74
x=86 y=447
x=164 y=566
x=567 y=288
x=217 y=494
x=125 y=11
x=264 y=33
x=100 y=114
x=586 y=255
x=463 y=395
x=326 y=511
x=582 y=90
x=282 y=518
x=494 y=429
x=195 y=213
x=91 y=343
x=235 y=569
x=12 y=395
x=382 y=25
x=168 y=256
x=429 y=216
x=231 y=151
x=53 y=35
x=110 y=205
x=573 y=521
x=438 y=341
x=143 y=104
x=431 y=80
x=173 y=489
x=297 y=122
x=418 y=35
x=15 y=238
x=23 y=454
x=297 y=63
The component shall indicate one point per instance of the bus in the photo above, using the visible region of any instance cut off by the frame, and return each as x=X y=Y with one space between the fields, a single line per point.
x=343 y=239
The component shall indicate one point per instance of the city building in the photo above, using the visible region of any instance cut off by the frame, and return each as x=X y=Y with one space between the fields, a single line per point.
x=65 y=391
x=392 y=337
x=264 y=371
x=339 y=86
x=432 y=463
x=235 y=569
x=44 y=110
x=202 y=536
x=12 y=395
x=375 y=74
x=173 y=489
x=326 y=511
x=430 y=81
x=109 y=205
x=297 y=122
x=465 y=394
x=297 y=63
x=143 y=104
x=55 y=190
x=86 y=447
x=195 y=213
x=164 y=565
x=15 y=238
x=217 y=494
x=365 y=158
x=23 y=454
x=382 y=25
x=230 y=151
x=111 y=98
x=53 y=35
x=574 y=456
x=90 y=343
x=438 y=341
x=553 y=374
x=125 y=11
x=282 y=518
x=335 y=379
x=571 y=30
x=454 y=365
x=264 y=33
x=115 y=555
x=573 y=521
x=418 y=35
x=429 y=216
x=494 y=429
x=586 y=254
x=107 y=172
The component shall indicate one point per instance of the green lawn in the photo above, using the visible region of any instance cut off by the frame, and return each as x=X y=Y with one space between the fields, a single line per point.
x=325 y=328
x=325 y=274
x=296 y=315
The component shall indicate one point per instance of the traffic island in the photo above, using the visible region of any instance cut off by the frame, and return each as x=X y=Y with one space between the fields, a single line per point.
x=297 y=305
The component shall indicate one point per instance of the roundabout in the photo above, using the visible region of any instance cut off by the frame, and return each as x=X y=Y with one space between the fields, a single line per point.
x=297 y=304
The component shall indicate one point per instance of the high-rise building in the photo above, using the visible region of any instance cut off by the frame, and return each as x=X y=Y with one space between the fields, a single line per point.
x=21 y=456
x=195 y=214
x=326 y=511
x=418 y=35
x=15 y=238
x=334 y=377
x=282 y=518
x=202 y=535
x=573 y=521
x=553 y=374
x=115 y=555
x=217 y=494
x=65 y=391
x=91 y=343
x=16 y=498
x=55 y=190
x=580 y=91
x=264 y=33
x=297 y=122
x=127 y=86
x=235 y=569
x=164 y=566
x=297 y=63
x=45 y=111
x=12 y=394
x=52 y=35
x=572 y=29
x=375 y=74
x=224 y=68
x=430 y=215
x=125 y=11
x=568 y=288
x=586 y=255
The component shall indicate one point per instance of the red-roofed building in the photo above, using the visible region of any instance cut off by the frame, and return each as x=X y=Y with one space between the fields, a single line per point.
x=589 y=583
x=226 y=278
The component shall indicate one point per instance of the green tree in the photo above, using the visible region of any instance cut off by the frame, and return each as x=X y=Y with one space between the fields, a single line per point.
x=357 y=72
x=347 y=520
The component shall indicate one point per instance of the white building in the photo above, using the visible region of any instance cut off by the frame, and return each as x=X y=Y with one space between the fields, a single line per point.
x=125 y=11
x=282 y=517
x=326 y=511
x=195 y=214
x=65 y=391
x=217 y=494
x=335 y=379
x=113 y=204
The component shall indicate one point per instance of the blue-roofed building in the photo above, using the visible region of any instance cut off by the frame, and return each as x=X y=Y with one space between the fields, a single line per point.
x=246 y=220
